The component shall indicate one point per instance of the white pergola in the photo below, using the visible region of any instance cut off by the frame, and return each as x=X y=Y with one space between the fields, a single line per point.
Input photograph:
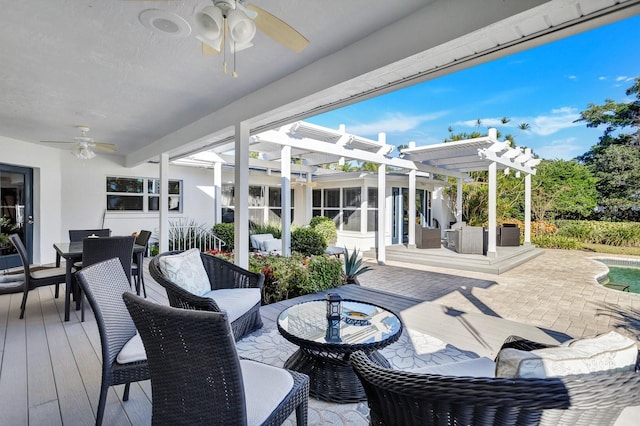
x=479 y=154
x=315 y=145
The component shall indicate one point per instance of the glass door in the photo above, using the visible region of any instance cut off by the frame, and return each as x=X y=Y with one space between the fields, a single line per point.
x=16 y=212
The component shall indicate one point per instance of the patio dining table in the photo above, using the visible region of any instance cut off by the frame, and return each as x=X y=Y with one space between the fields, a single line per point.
x=72 y=252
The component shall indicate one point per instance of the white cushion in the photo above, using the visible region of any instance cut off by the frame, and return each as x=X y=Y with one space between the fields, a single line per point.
x=606 y=352
x=257 y=238
x=132 y=351
x=236 y=301
x=477 y=367
x=48 y=272
x=265 y=387
x=186 y=270
x=272 y=246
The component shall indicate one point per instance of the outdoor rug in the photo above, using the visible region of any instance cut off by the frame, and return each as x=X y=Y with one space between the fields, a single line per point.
x=413 y=350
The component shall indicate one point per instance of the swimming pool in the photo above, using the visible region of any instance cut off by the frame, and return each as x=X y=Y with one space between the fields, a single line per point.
x=623 y=275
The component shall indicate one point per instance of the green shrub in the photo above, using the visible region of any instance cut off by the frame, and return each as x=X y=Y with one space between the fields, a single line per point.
x=307 y=242
x=327 y=228
x=318 y=219
x=287 y=277
x=266 y=229
x=556 y=242
x=186 y=233
x=226 y=232
x=325 y=272
x=353 y=265
x=621 y=234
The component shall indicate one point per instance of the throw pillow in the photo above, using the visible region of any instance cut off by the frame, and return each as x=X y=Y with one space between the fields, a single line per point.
x=607 y=352
x=272 y=246
x=186 y=270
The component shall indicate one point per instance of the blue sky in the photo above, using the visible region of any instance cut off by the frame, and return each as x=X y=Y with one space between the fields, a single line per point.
x=546 y=87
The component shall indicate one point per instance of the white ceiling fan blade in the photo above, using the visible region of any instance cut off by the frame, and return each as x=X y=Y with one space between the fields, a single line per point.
x=58 y=141
x=104 y=147
x=278 y=30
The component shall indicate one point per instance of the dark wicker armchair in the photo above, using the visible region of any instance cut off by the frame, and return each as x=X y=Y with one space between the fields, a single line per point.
x=198 y=379
x=405 y=398
x=222 y=275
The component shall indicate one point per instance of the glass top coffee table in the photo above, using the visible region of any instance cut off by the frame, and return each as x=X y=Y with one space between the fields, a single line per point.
x=325 y=345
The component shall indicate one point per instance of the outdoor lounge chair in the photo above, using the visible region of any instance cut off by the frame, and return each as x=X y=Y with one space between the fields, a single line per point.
x=409 y=398
x=197 y=377
x=223 y=278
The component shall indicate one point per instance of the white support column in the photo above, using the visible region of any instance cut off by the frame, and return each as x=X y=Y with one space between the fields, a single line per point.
x=527 y=209
x=491 y=246
x=163 y=238
x=382 y=207
x=459 y=201
x=241 y=195
x=412 y=209
x=285 y=196
x=308 y=200
x=217 y=192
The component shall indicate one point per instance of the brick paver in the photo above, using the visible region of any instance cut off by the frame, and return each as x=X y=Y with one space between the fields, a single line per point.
x=557 y=290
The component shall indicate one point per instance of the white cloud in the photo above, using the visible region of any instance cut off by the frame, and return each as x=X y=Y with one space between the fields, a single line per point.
x=563 y=149
x=572 y=77
x=624 y=78
x=542 y=125
x=393 y=123
x=602 y=78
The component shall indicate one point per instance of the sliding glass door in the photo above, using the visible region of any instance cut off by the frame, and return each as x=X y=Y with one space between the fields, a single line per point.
x=16 y=212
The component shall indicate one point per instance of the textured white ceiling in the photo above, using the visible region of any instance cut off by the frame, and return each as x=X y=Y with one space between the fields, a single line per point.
x=69 y=62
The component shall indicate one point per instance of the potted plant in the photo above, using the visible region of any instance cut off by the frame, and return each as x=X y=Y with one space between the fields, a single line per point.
x=353 y=266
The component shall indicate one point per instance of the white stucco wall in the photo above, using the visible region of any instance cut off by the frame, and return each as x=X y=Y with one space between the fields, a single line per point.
x=84 y=197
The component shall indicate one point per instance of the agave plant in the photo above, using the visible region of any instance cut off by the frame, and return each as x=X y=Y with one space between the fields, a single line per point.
x=353 y=266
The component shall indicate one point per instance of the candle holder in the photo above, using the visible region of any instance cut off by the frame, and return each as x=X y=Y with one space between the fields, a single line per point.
x=334 y=307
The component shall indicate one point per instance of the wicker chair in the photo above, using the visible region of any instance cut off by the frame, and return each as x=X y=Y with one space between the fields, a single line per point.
x=222 y=275
x=142 y=239
x=104 y=283
x=96 y=250
x=38 y=276
x=197 y=377
x=406 y=398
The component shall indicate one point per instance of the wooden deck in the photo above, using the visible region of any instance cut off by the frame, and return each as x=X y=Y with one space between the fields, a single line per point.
x=50 y=370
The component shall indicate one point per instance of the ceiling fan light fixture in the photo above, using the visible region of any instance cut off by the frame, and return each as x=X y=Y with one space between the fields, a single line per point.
x=241 y=28
x=83 y=153
x=210 y=23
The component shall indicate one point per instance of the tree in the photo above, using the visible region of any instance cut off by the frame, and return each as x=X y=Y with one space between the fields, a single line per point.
x=617 y=168
x=564 y=190
x=615 y=159
x=616 y=117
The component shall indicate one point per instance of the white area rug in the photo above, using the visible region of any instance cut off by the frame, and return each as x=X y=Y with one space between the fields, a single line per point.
x=412 y=350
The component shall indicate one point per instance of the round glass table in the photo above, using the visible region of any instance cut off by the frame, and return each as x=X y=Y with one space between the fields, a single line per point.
x=325 y=345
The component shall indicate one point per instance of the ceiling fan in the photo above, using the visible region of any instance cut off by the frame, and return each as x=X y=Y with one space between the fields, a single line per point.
x=234 y=24
x=84 y=145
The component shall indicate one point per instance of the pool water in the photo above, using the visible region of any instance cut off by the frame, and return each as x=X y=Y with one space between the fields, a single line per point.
x=625 y=275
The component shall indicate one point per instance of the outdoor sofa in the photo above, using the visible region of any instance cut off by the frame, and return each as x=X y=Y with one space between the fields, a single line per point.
x=457 y=397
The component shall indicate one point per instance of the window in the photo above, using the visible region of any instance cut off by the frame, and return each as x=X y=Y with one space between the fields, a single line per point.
x=372 y=209
x=351 y=212
x=265 y=204
x=140 y=194
x=344 y=206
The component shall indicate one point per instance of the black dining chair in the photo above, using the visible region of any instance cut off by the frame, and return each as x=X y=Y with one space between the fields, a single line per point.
x=96 y=250
x=197 y=377
x=76 y=235
x=137 y=271
x=38 y=276
x=123 y=357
